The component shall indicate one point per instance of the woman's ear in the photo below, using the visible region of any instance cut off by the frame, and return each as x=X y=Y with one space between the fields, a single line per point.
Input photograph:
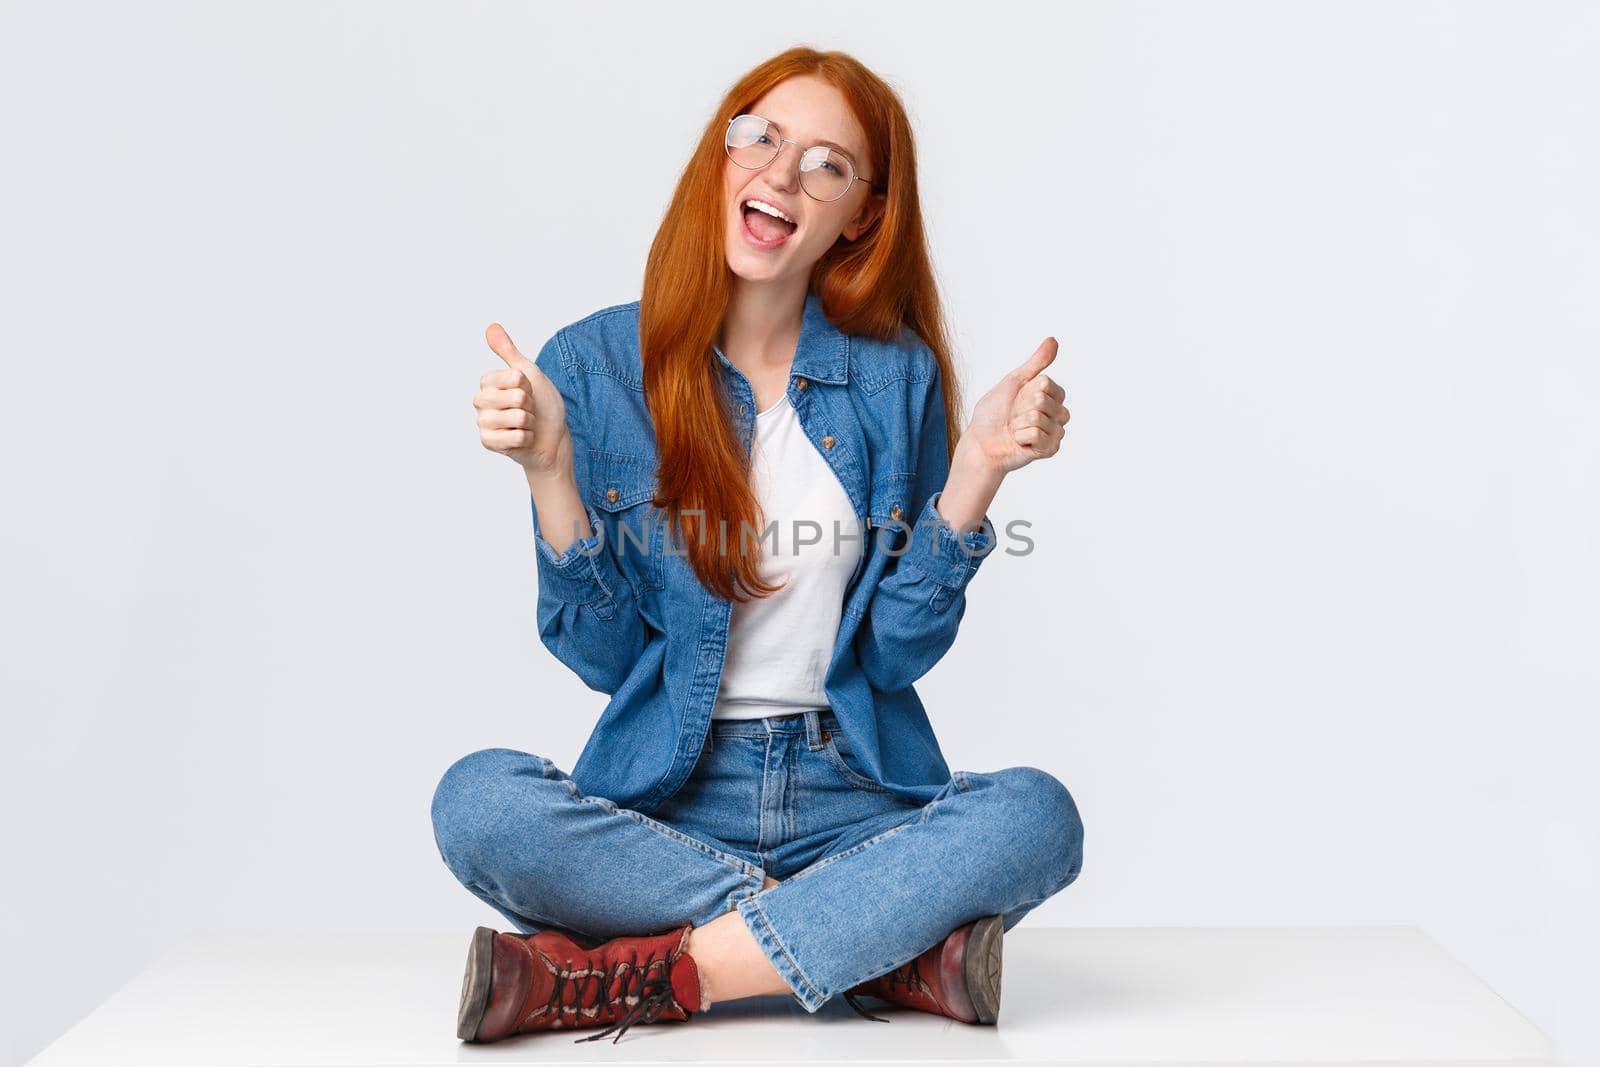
x=865 y=217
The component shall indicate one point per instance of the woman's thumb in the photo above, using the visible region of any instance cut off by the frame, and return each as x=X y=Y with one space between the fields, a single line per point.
x=1042 y=357
x=500 y=342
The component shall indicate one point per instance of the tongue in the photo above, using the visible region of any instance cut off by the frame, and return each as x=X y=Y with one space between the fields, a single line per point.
x=765 y=226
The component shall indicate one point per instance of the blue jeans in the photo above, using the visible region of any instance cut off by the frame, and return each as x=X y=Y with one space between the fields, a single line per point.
x=867 y=880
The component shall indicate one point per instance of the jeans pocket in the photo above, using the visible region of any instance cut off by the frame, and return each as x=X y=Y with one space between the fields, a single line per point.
x=836 y=750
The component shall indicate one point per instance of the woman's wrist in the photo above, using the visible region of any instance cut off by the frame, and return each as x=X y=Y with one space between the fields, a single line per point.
x=562 y=515
x=540 y=481
x=970 y=487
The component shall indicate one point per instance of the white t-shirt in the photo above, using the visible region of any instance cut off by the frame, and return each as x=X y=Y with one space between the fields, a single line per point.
x=779 y=646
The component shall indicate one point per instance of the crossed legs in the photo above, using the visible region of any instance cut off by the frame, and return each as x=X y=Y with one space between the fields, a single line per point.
x=731 y=964
x=518 y=833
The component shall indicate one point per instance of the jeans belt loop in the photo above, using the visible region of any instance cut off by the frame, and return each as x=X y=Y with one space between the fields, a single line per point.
x=813 y=730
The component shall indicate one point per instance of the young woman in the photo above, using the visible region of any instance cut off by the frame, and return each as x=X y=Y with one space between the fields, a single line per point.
x=755 y=522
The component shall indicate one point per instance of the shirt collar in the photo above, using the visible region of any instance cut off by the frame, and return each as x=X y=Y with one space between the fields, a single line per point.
x=823 y=354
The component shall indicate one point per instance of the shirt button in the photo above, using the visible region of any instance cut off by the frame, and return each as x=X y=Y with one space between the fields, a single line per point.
x=827 y=442
x=800 y=383
x=612 y=494
x=743 y=409
x=896 y=512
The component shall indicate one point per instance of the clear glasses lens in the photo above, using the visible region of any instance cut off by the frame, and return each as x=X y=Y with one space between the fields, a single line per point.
x=824 y=173
x=749 y=142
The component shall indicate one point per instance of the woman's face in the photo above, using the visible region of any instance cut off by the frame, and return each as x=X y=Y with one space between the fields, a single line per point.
x=808 y=111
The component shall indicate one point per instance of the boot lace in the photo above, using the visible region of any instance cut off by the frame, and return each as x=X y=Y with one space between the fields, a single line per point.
x=850 y=999
x=649 y=981
x=909 y=975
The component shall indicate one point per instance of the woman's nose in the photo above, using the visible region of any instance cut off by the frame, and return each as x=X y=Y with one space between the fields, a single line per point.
x=784 y=170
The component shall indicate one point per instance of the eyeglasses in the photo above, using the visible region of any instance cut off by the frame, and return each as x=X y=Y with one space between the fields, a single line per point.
x=826 y=173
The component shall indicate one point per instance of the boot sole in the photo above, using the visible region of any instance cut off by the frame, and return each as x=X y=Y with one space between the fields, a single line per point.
x=981 y=966
x=475 y=984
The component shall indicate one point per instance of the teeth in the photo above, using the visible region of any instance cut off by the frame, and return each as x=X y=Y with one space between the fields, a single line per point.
x=767 y=209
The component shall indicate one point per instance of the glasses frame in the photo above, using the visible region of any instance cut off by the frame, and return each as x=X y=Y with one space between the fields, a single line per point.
x=728 y=150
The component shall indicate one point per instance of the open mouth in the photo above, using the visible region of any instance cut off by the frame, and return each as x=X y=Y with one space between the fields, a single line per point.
x=764 y=226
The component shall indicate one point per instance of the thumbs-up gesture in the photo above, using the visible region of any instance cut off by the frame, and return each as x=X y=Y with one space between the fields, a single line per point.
x=521 y=413
x=1023 y=417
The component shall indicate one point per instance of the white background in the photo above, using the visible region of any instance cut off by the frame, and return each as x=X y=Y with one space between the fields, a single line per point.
x=1311 y=626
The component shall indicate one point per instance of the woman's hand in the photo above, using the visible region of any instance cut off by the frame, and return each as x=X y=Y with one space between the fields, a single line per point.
x=521 y=413
x=1018 y=421
x=1021 y=419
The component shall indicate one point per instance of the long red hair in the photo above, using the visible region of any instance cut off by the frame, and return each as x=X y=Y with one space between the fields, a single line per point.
x=875 y=286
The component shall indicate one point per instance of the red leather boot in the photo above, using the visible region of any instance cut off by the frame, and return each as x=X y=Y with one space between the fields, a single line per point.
x=958 y=977
x=517 y=983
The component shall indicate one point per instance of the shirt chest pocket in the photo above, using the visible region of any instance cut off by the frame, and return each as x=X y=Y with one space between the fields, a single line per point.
x=621 y=490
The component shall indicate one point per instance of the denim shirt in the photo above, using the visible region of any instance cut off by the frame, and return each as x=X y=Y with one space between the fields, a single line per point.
x=626 y=612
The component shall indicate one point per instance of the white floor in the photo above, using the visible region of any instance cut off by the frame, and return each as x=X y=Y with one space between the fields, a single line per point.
x=1145 y=995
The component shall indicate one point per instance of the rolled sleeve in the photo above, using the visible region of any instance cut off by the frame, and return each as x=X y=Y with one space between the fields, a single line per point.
x=585 y=573
x=940 y=552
